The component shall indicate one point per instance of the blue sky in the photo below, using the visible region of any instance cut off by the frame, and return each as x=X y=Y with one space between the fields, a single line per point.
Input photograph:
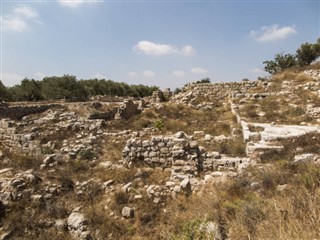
x=163 y=43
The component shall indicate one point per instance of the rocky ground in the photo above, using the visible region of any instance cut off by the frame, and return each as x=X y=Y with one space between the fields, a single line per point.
x=215 y=161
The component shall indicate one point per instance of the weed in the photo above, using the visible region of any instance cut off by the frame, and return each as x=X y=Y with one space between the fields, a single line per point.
x=159 y=124
x=121 y=198
x=46 y=150
x=87 y=154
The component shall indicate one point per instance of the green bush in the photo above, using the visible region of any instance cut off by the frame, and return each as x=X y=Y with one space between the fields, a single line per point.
x=159 y=124
x=87 y=154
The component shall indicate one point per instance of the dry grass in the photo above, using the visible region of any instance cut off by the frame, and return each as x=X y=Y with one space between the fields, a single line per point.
x=245 y=213
x=173 y=118
x=19 y=161
x=112 y=149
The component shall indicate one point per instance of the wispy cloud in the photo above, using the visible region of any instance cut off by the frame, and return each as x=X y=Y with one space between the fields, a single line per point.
x=178 y=73
x=157 y=49
x=20 y=18
x=75 y=3
x=148 y=73
x=26 y=12
x=39 y=75
x=11 y=79
x=132 y=74
x=257 y=70
x=198 y=70
x=188 y=50
x=273 y=33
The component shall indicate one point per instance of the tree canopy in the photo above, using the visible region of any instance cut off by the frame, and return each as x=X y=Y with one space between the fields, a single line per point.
x=305 y=55
x=69 y=88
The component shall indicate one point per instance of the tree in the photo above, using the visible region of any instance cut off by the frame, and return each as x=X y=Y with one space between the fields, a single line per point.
x=204 y=80
x=4 y=94
x=280 y=63
x=177 y=90
x=307 y=53
x=65 y=87
x=28 y=90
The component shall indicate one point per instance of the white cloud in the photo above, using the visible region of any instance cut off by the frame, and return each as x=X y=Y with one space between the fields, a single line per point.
x=178 y=73
x=26 y=12
x=188 y=50
x=148 y=73
x=20 y=19
x=156 y=49
x=13 y=23
x=153 y=49
x=273 y=33
x=74 y=3
x=132 y=74
x=257 y=70
x=39 y=75
x=99 y=76
x=11 y=79
x=198 y=70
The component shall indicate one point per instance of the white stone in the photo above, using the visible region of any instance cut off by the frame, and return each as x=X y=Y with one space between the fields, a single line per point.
x=304 y=158
x=127 y=212
x=207 y=137
x=76 y=221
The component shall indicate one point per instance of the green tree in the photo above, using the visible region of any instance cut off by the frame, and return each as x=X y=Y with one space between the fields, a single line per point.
x=204 y=80
x=307 y=53
x=66 y=87
x=280 y=63
x=4 y=94
x=28 y=90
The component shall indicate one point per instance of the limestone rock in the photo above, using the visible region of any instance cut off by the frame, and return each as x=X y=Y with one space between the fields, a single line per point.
x=304 y=158
x=127 y=212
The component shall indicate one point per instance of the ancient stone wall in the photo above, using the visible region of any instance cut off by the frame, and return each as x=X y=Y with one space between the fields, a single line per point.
x=127 y=110
x=13 y=141
x=18 y=112
x=178 y=152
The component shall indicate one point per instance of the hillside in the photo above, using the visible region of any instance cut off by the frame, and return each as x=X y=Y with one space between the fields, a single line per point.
x=214 y=161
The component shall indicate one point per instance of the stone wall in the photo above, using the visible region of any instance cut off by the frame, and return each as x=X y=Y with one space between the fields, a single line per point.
x=215 y=90
x=18 y=112
x=179 y=153
x=10 y=139
x=127 y=110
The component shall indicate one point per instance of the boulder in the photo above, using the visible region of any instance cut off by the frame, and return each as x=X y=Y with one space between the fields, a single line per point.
x=127 y=212
x=77 y=221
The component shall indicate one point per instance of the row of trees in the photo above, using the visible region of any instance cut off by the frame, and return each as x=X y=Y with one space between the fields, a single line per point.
x=305 y=55
x=69 y=88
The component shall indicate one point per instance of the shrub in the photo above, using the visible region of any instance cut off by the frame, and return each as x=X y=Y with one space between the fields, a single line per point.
x=307 y=53
x=280 y=63
x=87 y=154
x=159 y=124
x=121 y=198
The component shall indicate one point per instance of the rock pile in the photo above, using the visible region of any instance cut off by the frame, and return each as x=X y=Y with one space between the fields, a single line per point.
x=315 y=73
x=157 y=96
x=127 y=110
x=78 y=225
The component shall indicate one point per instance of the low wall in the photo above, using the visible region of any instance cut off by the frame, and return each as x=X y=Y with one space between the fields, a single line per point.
x=18 y=112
